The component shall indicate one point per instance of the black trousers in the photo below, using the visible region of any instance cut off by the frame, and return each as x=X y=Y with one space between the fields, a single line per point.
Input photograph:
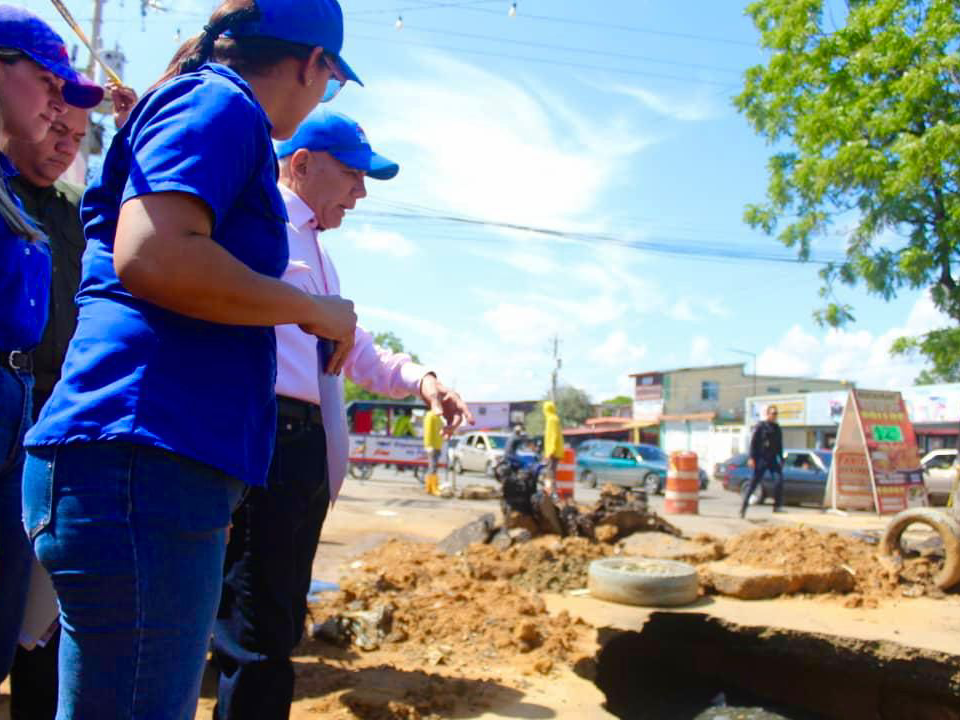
x=267 y=577
x=776 y=473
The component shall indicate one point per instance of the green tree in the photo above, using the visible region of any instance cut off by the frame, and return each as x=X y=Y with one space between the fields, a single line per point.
x=388 y=341
x=573 y=407
x=867 y=112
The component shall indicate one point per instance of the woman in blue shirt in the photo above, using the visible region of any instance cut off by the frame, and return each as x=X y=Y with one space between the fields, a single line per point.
x=36 y=83
x=166 y=406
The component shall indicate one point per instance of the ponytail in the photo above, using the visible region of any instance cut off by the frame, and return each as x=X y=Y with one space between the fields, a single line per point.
x=244 y=54
x=201 y=48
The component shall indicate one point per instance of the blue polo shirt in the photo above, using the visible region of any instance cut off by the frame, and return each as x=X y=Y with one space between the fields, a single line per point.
x=24 y=281
x=138 y=373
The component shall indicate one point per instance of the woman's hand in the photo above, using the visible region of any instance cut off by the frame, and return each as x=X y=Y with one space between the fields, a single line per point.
x=123 y=98
x=445 y=402
x=334 y=319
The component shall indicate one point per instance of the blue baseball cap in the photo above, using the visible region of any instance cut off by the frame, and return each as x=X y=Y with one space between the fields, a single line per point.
x=316 y=23
x=22 y=30
x=325 y=131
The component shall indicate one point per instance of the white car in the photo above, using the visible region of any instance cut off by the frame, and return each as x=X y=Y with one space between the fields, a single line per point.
x=939 y=473
x=479 y=452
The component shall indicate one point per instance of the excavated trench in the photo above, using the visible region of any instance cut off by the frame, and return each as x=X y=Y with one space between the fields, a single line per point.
x=692 y=666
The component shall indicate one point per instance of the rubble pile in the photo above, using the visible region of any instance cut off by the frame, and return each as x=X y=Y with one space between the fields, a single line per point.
x=442 y=610
x=804 y=560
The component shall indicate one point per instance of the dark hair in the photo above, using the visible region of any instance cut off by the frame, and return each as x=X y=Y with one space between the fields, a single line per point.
x=247 y=55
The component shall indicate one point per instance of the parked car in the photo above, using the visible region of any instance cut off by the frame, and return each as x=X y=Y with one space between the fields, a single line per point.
x=939 y=473
x=626 y=464
x=479 y=452
x=804 y=477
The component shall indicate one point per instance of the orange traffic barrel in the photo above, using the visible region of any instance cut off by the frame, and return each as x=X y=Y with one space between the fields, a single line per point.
x=566 y=469
x=683 y=484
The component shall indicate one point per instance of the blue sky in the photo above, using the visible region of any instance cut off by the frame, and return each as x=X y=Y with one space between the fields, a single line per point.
x=609 y=119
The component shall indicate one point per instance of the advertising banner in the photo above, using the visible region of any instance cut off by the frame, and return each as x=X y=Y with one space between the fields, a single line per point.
x=391 y=450
x=875 y=461
x=791 y=409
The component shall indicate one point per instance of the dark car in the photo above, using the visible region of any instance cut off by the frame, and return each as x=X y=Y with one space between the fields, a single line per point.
x=804 y=477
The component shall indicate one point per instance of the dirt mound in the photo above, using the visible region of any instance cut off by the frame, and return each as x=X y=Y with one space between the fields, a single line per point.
x=803 y=550
x=450 y=611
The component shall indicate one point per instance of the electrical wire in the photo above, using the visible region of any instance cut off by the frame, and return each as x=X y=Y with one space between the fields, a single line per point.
x=561 y=48
x=546 y=61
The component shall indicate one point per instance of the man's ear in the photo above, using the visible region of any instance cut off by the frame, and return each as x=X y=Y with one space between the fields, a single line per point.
x=300 y=163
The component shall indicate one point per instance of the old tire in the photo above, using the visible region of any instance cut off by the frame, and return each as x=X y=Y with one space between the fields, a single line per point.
x=588 y=479
x=943 y=524
x=651 y=484
x=642 y=581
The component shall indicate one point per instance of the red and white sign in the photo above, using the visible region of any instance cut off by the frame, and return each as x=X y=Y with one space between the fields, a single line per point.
x=875 y=460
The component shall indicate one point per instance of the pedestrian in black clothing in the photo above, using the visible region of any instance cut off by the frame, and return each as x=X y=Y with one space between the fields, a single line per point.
x=766 y=454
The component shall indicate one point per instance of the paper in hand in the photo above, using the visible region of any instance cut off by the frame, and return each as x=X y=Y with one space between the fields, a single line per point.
x=334 y=420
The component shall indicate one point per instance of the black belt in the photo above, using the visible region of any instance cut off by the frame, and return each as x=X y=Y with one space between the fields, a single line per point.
x=16 y=360
x=293 y=409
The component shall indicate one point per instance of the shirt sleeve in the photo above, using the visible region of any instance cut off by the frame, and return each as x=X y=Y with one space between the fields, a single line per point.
x=198 y=136
x=381 y=371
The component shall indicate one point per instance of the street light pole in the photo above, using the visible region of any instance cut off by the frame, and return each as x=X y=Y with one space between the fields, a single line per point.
x=754 y=356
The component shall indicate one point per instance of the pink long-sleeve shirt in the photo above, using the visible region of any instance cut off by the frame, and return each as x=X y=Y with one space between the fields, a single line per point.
x=311 y=270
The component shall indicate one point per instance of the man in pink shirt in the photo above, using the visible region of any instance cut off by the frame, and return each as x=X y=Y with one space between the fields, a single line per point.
x=276 y=530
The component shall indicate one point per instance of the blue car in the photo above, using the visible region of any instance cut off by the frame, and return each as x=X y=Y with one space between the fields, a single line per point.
x=626 y=464
x=805 y=474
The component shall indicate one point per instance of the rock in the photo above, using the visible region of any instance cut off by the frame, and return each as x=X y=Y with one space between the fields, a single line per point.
x=478 y=531
x=749 y=583
x=667 y=547
x=606 y=533
x=519 y=535
x=446 y=492
x=519 y=521
x=527 y=636
x=479 y=492
x=502 y=540
x=366 y=629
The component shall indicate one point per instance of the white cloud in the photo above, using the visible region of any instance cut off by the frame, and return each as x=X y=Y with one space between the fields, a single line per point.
x=484 y=145
x=700 y=351
x=521 y=324
x=381 y=241
x=618 y=351
x=682 y=310
x=393 y=318
x=855 y=355
x=688 y=109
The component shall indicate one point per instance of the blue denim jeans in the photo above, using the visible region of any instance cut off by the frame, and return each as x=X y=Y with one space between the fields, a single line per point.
x=15 y=553
x=133 y=538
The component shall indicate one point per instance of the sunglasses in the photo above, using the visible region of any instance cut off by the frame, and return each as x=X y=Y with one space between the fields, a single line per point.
x=337 y=78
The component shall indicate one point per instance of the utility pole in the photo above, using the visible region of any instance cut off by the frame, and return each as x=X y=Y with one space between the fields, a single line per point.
x=95 y=35
x=557 y=364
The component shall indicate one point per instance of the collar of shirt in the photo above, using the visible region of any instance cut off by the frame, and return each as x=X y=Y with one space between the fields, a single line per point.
x=298 y=212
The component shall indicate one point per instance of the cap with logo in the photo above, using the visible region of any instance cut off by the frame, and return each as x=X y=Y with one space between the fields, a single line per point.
x=22 y=30
x=317 y=23
x=342 y=137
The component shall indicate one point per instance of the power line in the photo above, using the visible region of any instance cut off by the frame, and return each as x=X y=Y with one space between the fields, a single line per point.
x=425 y=6
x=562 y=48
x=622 y=28
x=662 y=245
x=545 y=61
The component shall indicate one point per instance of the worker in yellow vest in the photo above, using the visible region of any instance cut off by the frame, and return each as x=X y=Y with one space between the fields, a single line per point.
x=433 y=444
x=552 y=444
